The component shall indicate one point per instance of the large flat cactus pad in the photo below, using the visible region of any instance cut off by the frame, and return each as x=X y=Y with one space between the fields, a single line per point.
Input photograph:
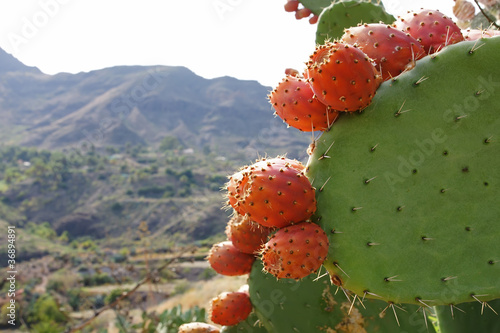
x=409 y=189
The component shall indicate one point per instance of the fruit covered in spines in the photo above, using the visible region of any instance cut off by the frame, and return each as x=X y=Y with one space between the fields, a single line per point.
x=234 y=187
x=246 y=236
x=230 y=308
x=392 y=50
x=296 y=104
x=198 y=327
x=342 y=76
x=227 y=260
x=295 y=251
x=274 y=193
x=431 y=28
x=237 y=184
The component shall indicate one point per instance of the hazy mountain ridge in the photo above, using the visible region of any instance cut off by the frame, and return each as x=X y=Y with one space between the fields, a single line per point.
x=136 y=104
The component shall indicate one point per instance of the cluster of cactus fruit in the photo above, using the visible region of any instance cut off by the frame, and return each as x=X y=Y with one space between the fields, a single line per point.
x=397 y=207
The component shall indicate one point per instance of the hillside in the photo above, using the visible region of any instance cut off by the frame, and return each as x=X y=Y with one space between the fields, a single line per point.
x=138 y=105
x=95 y=154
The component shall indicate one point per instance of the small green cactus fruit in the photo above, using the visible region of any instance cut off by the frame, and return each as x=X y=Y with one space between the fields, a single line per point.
x=344 y=14
x=314 y=304
x=409 y=190
x=469 y=317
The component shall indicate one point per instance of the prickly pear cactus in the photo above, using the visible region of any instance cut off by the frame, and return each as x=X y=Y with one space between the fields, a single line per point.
x=250 y=325
x=469 y=317
x=408 y=189
x=344 y=14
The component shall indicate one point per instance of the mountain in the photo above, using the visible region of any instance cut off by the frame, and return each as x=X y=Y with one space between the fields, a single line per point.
x=10 y=64
x=82 y=151
x=138 y=105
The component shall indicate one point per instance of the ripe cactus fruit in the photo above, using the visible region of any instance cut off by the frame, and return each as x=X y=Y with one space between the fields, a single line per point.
x=273 y=192
x=431 y=28
x=295 y=251
x=227 y=260
x=246 y=236
x=196 y=327
x=340 y=15
x=342 y=76
x=410 y=195
x=291 y=6
x=295 y=103
x=230 y=308
x=302 y=13
x=237 y=184
x=392 y=50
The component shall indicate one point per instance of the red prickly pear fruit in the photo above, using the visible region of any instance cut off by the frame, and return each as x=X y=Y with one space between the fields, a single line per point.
x=295 y=251
x=237 y=184
x=295 y=103
x=198 y=328
x=275 y=193
x=230 y=308
x=291 y=6
x=392 y=50
x=234 y=188
x=342 y=76
x=246 y=236
x=227 y=260
x=314 y=19
x=302 y=13
x=431 y=28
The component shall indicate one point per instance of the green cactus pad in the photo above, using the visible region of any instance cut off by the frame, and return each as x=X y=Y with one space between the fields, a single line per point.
x=469 y=317
x=316 y=6
x=409 y=189
x=344 y=14
x=250 y=325
x=315 y=305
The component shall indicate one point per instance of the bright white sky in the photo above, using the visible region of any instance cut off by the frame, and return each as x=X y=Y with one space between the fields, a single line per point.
x=249 y=39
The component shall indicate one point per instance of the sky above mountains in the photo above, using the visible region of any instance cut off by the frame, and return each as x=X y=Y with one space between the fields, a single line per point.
x=246 y=39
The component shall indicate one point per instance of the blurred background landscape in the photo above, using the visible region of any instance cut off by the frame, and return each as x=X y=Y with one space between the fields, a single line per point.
x=107 y=175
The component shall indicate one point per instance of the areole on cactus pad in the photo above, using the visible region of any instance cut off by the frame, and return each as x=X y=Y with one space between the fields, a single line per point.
x=409 y=195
